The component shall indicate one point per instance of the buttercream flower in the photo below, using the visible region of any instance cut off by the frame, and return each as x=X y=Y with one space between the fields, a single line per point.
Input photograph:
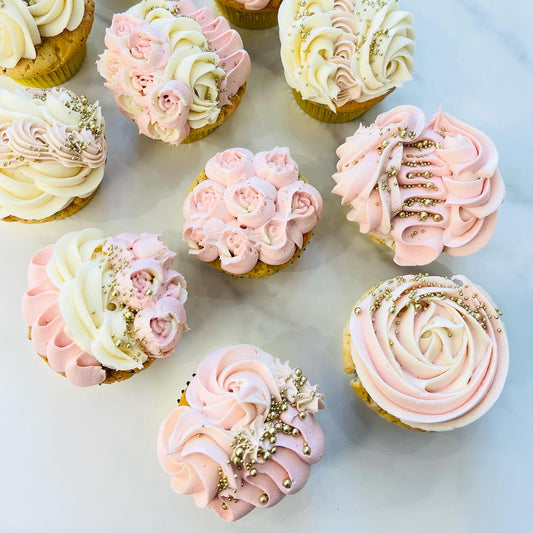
x=276 y=166
x=123 y=24
x=206 y=201
x=169 y=104
x=237 y=250
x=109 y=67
x=159 y=326
x=140 y=82
x=230 y=166
x=301 y=203
x=252 y=201
x=277 y=240
x=147 y=48
x=202 y=235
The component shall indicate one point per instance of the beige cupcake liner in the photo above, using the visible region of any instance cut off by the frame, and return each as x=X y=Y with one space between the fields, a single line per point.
x=237 y=14
x=261 y=269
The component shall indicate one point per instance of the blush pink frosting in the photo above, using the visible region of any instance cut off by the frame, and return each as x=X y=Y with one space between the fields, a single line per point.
x=431 y=351
x=235 y=398
x=262 y=210
x=422 y=188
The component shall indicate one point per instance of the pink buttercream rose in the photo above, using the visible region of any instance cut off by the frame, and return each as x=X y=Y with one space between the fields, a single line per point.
x=237 y=250
x=142 y=246
x=230 y=166
x=278 y=239
x=109 y=66
x=206 y=201
x=252 y=201
x=276 y=166
x=124 y=24
x=301 y=203
x=202 y=235
x=147 y=48
x=141 y=82
x=169 y=104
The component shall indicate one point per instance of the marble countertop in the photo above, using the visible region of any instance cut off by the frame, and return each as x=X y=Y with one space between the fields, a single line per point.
x=84 y=459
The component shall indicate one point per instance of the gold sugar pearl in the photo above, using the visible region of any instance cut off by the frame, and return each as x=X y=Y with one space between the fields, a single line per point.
x=263 y=498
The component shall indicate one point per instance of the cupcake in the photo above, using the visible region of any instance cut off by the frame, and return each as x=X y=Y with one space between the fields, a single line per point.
x=174 y=69
x=101 y=309
x=43 y=41
x=421 y=188
x=250 y=215
x=252 y=14
x=341 y=57
x=427 y=353
x=52 y=153
x=244 y=434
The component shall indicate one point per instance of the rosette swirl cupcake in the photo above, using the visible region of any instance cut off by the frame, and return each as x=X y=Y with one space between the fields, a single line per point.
x=174 y=69
x=52 y=153
x=101 y=309
x=251 y=14
x=421 y=188
x=244 y=434
x=43 y=41
x=250 y=215
x=428 y=353
x=341 y=57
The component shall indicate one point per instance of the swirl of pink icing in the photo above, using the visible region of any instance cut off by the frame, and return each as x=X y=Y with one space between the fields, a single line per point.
x=433 y=353
x=276 y=166
x=202 y=236
x=230 y=166
x=207 y=201
x=277 y=241
x=423 y=189
x=301 y=203
x=237 y=250
x=230 y=398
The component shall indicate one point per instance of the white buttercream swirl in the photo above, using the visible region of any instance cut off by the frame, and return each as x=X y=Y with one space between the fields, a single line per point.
x=54 y=16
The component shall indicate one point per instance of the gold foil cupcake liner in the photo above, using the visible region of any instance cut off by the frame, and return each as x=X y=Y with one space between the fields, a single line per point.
x=252 y=20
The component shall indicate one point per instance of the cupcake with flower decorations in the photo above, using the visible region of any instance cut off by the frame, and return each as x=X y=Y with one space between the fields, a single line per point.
x=341 y=57
x=101 y=309
x=250 y=215
x=427 y=353
x=174 y=69
x=244 y=434
x=422 y=188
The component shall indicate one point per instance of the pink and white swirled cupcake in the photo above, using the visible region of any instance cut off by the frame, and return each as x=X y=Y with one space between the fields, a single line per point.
x=428 y=353
x=101 y=309
x=174 y=69
x=244 y=434
x=422 y=188
x=250 y=215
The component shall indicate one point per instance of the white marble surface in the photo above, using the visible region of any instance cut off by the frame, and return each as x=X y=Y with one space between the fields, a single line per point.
x=84 y=459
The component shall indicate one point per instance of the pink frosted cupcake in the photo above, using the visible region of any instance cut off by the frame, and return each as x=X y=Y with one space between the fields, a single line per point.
x=250 y=215
x=420 y=187
x=174 y=69
x=101 y=309
x=244 y=434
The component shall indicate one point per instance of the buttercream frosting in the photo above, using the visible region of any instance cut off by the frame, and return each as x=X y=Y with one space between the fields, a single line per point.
x=95 y=303
x=250 y=208
x=248 y=435
x=172 y=66
x=429 y=350
x=337 y=51
x=423 y=188
x=52 y=150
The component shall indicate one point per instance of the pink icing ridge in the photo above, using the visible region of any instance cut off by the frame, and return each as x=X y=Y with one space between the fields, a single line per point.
x=230 y=393
x=423 y=188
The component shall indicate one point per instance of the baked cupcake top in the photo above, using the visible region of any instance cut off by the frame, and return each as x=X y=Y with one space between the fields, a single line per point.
x=249 y=208
x=52 y=149
x=423 y=187
x=96 y=304
x=23 y=23
x=431 y=351
x=172 y=66
x=337 y=51
x=248 y=435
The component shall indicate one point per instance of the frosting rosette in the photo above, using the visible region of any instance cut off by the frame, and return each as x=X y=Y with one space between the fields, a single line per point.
x=172 y=68
x=250 y=210
x=422 y=188
x=429 y=351
x=100 y=309
x=246 y=434
x=52 y=151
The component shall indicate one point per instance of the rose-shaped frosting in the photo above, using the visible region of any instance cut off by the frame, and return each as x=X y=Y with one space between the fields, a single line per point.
x=254 y=5
x=93 y=304
x=172 y=67
x=337 y=51
x=52 y=150
x=247 y=436
x=421 y=188
x=250 y=208
x=429 y=350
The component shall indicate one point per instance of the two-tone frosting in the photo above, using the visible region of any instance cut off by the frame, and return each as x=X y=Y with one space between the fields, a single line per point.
x=248 y=435
x=95 y=303
x=429 y=350
x=52 y=150
x=337 y=51
x=254 y=5
x=423 y=188
x=23 y=24
x=172 y=66
x=250 y=208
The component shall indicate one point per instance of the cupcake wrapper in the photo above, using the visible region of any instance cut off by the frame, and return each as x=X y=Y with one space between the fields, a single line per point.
x=58 y=76
x=253 y=20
